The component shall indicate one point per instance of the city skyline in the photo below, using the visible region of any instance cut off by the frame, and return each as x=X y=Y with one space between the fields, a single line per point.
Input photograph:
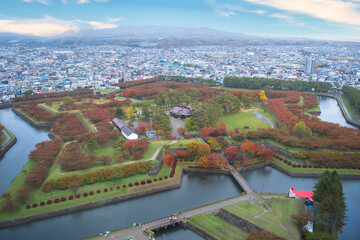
x=318 y=19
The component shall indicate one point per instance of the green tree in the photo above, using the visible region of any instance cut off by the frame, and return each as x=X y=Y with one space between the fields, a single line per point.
x=228 y=102
x=162 y=120
x=91 y=145
x=301 y=220
x=68 y=100
x=146 y=113
x=330 y=201
x=301 y=130
x=190 y=125
x=28 y=92
x=119 y=112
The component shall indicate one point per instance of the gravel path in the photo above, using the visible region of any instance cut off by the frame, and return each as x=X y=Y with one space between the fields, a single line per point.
x=262 y=118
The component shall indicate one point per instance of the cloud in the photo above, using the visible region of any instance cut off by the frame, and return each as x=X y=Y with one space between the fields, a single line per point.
x=112 y=20
x=279 y=15
x=331 y=10
x=46 y=2
x=82 y=1
x=227 y=10
x=101 y=25
x=64 y=1
x=43 y=27
x=88 y=1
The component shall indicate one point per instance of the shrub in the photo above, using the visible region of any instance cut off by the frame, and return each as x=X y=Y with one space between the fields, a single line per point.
x=294 y=165
x=285 y=160
x=155 y=179
x=124 y=186
x=148 y=181
x=111 y=189
x=130 y=185
x=337 y=167
x=85 y=194
x=28 y=206
x=326 y=166
x=56 y=200
x=117 y=187
x=160 y=178
x=280 y=158
x=91 y=193
x=98 y=191
x=289 y=163
x=42 y=203
x=165 y=177
x=78 y=196
x=142 y=182
x=71 y=197
x=359 y=167
x=315 y=166
x=304 y=166
x=309 y=166
x=136 y=183
x=298 y=165
x=105 y=189
x=48 y=202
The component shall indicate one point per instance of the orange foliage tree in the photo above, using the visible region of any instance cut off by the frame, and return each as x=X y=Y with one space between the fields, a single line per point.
x=168 y=159
x=193 y=148
x=204 y=149
x=248 y=146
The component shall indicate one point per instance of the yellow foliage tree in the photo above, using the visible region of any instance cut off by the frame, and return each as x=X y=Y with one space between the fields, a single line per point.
x=193 y=148
x=262 y=96
x=203 y=162
x=131 y=112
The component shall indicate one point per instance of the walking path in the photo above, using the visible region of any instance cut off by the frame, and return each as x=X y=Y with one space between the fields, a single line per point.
x=262 y=118
x=137 y=232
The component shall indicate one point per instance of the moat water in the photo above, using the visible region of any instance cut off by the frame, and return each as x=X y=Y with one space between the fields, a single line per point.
x=197 y=189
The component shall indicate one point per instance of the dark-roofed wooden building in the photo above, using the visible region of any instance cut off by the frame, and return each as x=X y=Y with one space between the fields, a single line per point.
x=127 y=132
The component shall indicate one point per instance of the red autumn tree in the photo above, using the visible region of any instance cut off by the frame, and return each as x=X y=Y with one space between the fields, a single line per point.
x=205 y=132
x=265 y=154
x=181 y=153
x=231 y=153
x=181 y=131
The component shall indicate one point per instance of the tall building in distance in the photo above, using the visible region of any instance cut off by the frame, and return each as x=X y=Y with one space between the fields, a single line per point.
x=309 y=66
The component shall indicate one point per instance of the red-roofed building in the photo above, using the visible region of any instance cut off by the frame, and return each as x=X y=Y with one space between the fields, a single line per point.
x=301 y=194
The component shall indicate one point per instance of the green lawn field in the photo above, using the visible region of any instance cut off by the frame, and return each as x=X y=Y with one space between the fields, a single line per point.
x=277 y=219
x=217 y=227
x=242 y=119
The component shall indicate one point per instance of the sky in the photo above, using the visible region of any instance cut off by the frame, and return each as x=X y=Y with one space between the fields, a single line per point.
x=320 y=19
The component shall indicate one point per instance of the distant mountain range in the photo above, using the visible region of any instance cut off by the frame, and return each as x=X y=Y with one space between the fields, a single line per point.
x=164 y=36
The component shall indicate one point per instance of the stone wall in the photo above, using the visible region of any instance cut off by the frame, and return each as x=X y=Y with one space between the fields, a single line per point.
x=8 y=146
x=197 y=230
x=5 y=105
x=238 y=221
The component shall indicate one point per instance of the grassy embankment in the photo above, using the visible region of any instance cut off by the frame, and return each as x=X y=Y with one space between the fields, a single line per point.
x=38 y=195
x=352 y=111
x=3 y=142
x=273 y=215
x=217 y=227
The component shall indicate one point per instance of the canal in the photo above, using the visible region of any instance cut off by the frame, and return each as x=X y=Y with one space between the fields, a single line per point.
x=197 y=189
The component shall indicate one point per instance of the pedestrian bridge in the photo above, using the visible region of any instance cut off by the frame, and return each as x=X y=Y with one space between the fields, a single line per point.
x=240 y=179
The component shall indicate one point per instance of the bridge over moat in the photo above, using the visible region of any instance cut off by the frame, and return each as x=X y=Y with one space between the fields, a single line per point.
x=138 y=232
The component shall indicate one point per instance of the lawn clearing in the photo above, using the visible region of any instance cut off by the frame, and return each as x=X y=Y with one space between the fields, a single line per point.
x=217 y=227
x=353 y=112
x=242 y=119
x=277 y=220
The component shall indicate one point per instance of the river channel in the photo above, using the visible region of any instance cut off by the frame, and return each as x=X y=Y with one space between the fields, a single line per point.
x=197 y=189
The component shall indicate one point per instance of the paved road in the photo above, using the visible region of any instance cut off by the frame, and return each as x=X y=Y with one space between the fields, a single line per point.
x=262 y=118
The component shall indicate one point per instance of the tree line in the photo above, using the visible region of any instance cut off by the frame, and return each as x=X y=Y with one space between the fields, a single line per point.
x=276 y=84
x=353 y=95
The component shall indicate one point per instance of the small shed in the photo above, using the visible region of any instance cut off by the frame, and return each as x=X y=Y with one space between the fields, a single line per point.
x=127 y=132
x=150 y=134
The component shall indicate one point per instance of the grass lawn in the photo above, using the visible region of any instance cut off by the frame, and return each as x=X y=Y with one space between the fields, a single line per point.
x=230 y=89
x=108 y=90
x=185 y=142
x=38 y=195
x=217 y=227
x=242 y=119
x=2 y=139
x=353 y=111
x=277 y=220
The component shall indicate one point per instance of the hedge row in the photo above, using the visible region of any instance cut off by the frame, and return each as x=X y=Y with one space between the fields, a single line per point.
x=294 y=165
x=86 y=194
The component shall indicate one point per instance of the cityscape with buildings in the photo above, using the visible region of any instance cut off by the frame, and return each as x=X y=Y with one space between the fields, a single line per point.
x=53 y=69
